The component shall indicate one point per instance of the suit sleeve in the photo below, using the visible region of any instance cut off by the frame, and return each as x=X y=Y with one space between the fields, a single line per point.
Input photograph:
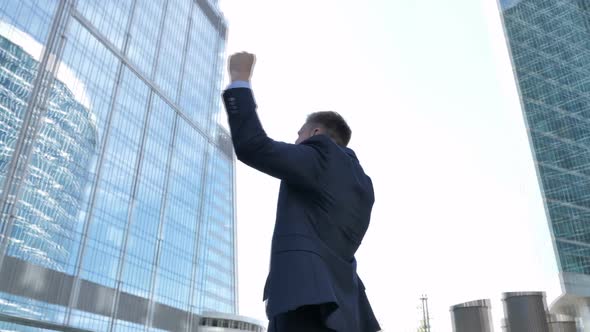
x=297 y=164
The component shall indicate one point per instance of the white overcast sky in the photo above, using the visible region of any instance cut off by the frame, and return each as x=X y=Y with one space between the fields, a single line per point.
x=428 y=90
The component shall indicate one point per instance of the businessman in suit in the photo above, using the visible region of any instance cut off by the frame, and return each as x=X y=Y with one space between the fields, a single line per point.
x=323 y=212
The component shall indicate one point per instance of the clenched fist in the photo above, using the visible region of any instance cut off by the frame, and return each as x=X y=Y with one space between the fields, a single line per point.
x=241 y=66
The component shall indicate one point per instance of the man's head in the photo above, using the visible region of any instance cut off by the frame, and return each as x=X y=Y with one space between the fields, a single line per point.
x=328 y=123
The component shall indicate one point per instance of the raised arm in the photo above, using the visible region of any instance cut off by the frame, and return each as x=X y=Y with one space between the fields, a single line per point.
x=297 y=164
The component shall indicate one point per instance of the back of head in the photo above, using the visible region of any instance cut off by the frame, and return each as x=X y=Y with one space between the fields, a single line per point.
x=334 y=125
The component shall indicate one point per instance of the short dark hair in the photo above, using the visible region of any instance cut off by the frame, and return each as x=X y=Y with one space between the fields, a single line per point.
x=334 y=124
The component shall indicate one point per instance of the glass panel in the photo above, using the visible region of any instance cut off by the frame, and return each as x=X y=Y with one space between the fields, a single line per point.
x=24 y=307
x=123 y=326
x=200 y=95
x=114 y=189
x=180 y=225
x=24 y=26
x=89 y=321
x=172 y=46
x=143 y=231
x=216 y=239
x=109 y=17
x=55 y=190
x=144 y=34
x=49 y=205
x=49 y=212
x=32 y=17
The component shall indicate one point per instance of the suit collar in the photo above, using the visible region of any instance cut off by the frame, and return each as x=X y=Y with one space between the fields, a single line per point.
x=348 y=151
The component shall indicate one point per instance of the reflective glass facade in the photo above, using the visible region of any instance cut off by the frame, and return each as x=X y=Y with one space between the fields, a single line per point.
x=550 y=48
x=116 y=183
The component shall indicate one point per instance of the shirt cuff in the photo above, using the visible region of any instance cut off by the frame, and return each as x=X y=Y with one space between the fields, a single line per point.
x=239 y=84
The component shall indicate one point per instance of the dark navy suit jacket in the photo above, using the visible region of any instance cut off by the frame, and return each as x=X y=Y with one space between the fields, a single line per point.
x=323 y=212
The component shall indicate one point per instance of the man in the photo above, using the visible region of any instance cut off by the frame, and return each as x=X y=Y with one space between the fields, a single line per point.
x=323 y=212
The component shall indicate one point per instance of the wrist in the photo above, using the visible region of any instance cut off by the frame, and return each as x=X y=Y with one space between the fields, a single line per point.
x=239 y=77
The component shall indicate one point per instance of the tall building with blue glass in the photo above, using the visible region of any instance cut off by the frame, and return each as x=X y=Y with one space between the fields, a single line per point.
x=116 y=183
x=549 y=42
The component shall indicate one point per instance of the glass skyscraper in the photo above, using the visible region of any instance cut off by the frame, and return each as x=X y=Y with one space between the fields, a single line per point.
x=550 y=46
x=116 y=183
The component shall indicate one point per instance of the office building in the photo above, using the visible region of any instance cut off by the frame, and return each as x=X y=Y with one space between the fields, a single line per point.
x=116 y=182
x=550 y=49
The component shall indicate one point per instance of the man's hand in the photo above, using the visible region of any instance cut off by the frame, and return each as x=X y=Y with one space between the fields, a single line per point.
x=241 y=66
